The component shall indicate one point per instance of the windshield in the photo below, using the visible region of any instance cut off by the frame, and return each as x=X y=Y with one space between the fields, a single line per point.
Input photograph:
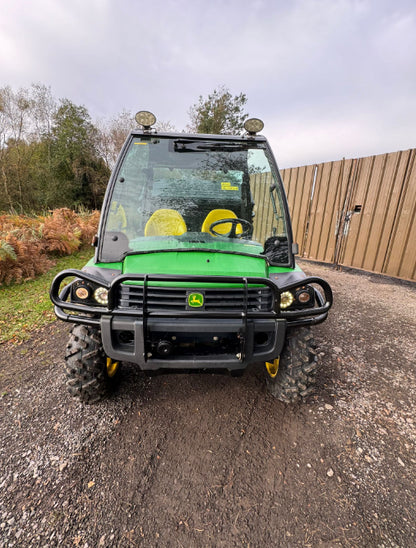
x=173 y=193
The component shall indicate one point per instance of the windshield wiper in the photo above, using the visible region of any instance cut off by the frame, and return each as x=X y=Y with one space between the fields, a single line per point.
x=184 y=145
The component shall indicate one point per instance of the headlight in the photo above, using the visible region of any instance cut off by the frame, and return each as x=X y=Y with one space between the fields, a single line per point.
x=286 y=299
x=145 y=118
x=303 y=296
x=101 y=295
x=82 y=292
x=253 y=125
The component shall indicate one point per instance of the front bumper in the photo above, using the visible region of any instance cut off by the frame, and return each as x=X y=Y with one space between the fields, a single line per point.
x=188 y=339
x=194 y=343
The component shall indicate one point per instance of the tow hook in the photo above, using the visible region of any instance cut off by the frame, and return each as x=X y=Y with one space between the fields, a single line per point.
x=273 y=367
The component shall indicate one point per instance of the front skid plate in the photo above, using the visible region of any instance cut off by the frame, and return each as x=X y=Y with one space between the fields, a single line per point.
x=272 y=336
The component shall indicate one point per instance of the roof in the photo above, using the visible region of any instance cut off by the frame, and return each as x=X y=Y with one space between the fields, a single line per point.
x=199 y=136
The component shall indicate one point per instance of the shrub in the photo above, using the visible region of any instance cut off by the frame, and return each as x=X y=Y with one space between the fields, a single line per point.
x=28 y=244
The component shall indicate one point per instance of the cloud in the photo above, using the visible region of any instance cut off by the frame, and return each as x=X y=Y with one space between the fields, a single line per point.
x=329 y=77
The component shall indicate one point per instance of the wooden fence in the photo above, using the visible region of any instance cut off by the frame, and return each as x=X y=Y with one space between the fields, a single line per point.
x=359 y=212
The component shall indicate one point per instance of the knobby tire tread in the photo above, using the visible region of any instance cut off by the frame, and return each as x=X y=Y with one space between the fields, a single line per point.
x=85 y=365
x=297 y=369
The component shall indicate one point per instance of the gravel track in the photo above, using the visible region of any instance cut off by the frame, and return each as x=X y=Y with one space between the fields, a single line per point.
x=211 y=460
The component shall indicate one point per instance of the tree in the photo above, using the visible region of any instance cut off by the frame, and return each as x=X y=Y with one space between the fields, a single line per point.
x=16 y=110
x=111 y=136
x=80 y=173
x=162 y=126
x=219 y=113
x=25 y=130
x=49 y=155
x=44 y=107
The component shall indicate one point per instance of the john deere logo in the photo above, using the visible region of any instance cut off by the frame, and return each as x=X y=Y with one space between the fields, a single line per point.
x=195 y=300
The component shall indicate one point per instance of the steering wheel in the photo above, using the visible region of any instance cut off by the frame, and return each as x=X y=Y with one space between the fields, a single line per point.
x=246 y=226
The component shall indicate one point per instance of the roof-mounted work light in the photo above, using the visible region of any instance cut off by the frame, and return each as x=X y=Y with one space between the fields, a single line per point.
x=253 y=125
x=145 y=118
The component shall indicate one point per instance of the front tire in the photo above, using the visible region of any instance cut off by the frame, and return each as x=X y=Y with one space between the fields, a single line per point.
x=90 y=374
x=295 y=376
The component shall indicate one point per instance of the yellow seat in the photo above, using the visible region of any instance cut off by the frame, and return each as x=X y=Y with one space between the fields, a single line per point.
x=216 y=215
x=165 y=222
x=117 y=220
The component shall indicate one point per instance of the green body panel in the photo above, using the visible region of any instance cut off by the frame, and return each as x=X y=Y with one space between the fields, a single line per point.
x=195 y=262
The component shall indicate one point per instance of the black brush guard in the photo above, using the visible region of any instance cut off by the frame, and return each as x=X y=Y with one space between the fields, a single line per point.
x=140 y=321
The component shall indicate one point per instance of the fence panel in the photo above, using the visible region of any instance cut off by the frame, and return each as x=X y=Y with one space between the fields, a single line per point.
x=358 y=213
x=401 y=255
x=377 y=192
x=263 y=218
x=298 y=184
x=326 y=211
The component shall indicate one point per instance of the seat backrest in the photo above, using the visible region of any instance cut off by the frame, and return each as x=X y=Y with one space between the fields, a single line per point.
x=217 y=215
x=117 y=219
x=165 y=222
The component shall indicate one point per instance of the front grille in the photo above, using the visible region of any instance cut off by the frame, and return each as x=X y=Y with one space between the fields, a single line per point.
x=260 y=299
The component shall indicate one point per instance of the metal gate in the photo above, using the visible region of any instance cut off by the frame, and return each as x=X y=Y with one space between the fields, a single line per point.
x=359 y=212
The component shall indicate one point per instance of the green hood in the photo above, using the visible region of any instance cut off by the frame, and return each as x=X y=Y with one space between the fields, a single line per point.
x=195 y=263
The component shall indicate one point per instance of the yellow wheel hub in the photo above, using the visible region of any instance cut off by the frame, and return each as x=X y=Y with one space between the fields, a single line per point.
x=112 y=367
x=273 y=367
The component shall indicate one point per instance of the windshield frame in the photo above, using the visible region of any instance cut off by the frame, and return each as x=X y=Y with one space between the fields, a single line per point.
x=204 y=139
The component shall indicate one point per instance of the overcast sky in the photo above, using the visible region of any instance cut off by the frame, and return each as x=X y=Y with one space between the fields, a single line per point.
x=330 y=78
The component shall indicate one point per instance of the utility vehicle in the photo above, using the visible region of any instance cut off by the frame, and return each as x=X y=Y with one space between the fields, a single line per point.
x=194 y=268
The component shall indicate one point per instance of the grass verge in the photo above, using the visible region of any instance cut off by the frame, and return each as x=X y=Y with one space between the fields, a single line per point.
x=26 y=306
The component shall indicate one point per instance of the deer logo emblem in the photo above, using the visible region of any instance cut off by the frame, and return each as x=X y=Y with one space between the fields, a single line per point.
x=195 y=300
